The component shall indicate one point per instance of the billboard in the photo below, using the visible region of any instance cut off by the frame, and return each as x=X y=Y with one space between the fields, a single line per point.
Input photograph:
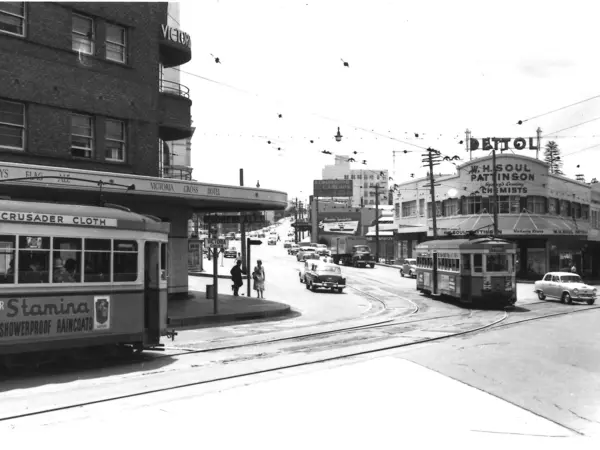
x=339 y=222
x=332 y=188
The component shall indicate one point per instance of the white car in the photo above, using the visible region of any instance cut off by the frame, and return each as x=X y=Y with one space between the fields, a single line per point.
x=566 y=287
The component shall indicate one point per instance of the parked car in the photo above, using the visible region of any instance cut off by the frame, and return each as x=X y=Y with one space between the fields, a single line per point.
x=272 y=241
x=320 y=274
x=309 y=255
x=293 y=249
x=230 y=252
x=287 y=244
x=566 y=287
x=409 y=267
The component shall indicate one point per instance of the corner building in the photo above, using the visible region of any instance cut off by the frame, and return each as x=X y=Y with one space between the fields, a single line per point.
x=85 y=115
x=553 y=219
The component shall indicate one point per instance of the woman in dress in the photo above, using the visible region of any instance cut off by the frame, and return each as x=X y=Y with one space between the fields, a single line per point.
x=259 y=278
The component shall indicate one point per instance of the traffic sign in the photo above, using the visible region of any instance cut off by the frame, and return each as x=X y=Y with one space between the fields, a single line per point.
x=217 y=243
x=254 y=241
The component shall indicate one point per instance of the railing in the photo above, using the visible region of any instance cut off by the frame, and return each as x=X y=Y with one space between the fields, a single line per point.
x=170 y=87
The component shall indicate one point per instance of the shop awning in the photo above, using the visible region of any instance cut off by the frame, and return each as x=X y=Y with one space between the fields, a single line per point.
x=381 y=233
x=523 y=224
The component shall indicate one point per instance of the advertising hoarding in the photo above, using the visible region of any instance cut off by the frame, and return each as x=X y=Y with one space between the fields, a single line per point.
x=332 y=188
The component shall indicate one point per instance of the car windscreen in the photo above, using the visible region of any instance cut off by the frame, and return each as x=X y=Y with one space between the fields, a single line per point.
x=362 y=248
x=570 y=279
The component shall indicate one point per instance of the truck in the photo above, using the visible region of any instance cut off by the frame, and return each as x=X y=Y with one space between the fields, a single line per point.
x=351 y=251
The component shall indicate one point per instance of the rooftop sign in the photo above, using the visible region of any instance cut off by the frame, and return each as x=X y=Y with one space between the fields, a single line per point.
x=501 y=144
x=175 y=35
x=332 y=188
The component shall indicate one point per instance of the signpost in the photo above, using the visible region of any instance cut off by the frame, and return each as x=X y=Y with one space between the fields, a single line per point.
x=249 y=244
x=215 y=245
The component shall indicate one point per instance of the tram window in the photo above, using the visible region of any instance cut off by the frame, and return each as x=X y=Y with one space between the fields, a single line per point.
x=496 y=263
x=125 y=261
x=478 y=262
x=466 y=262
x=66 y=262
x=7 y=259
x=96 y=260
x=34 y=259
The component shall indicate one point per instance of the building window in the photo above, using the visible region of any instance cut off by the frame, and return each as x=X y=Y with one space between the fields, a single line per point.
x=115 y=140
x=451 y=207
x=438 y=209
x=585 y=212
x=576 y=210
x=12 y=18
x=422 y=207
x=553 y=206
x=82 y=136
x=471 y=205
x=397 y=210
x=83 y=34
x=536 y=204
x=565 y=208
x=595 y=223
x=116 y=43
x=12 y=125
x=409 y=209
x=345 y=177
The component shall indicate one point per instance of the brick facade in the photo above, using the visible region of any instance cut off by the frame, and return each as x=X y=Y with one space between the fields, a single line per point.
x=42 y=71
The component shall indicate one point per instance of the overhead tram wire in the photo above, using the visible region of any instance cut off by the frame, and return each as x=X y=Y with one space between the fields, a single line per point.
x=521 y=122
x=572 y=126
x=366 y=130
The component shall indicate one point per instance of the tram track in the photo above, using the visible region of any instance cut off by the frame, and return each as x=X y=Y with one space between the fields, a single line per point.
x=308 y=357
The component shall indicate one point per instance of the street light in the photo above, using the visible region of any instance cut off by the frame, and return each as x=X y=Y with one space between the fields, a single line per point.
x=338 y=136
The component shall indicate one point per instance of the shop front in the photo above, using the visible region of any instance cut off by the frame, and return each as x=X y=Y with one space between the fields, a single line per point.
x=386 y=245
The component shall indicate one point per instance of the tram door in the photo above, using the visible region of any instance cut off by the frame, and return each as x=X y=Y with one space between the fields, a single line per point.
x=152 y=291
x=434 y=286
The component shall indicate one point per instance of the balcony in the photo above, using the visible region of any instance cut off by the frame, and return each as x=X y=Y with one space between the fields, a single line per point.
x=175 y=117
x=175 y=46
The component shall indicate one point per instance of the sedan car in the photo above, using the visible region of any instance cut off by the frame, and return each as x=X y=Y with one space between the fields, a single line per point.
x=323 y=250
x=305 y=249
x=272 y=241
x=288 y=244
x=409 y=267
x=230 y=252
x=566 y=287
x=324 y=275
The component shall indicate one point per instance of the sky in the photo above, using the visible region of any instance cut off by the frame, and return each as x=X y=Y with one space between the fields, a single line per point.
x=432 y=68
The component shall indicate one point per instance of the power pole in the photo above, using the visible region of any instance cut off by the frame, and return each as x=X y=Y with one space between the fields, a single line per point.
x=243 y=231
x=433 y=158
x=495 y=186
x=377 y=222
x=296 y=213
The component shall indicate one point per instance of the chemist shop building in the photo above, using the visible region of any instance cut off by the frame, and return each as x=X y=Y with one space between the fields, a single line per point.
x=91 y=108
x=553 y=219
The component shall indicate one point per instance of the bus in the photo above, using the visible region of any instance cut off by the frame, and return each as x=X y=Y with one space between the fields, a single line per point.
x=75 y=276
x=478 y=271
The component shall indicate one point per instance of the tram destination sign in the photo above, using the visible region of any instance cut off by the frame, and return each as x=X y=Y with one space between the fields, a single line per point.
x=332 y=188
x=229 y=218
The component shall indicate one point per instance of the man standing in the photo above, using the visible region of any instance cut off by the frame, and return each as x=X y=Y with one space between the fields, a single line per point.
x=236 y=277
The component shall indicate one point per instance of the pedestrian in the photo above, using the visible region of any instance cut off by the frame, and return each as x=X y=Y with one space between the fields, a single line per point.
x=573 y=268
x=236 y=277
x=258 y=274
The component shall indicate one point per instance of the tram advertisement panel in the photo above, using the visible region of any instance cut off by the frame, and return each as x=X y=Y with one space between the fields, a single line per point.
x=26 y=317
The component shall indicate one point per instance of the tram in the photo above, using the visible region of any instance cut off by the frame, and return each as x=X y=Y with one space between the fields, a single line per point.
x=74 y=277
x=478 y=271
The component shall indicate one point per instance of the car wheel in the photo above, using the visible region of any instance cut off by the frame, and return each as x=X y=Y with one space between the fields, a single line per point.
x=541 y=295
x=567 y=298
x=372 y=266
x=306 y=285
x=590 y=302
x=340 y=290
x=300 y=277
x=401 y=273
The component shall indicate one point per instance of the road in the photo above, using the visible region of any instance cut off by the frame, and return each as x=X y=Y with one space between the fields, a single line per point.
x=381 y=346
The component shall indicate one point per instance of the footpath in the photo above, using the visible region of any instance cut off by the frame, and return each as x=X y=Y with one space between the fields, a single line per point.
x=197 y=308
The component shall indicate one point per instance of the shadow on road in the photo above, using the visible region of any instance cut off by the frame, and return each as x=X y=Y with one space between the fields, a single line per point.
x=68 y=369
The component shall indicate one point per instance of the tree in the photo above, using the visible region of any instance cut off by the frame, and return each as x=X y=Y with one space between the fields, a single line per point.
x=552 y=157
